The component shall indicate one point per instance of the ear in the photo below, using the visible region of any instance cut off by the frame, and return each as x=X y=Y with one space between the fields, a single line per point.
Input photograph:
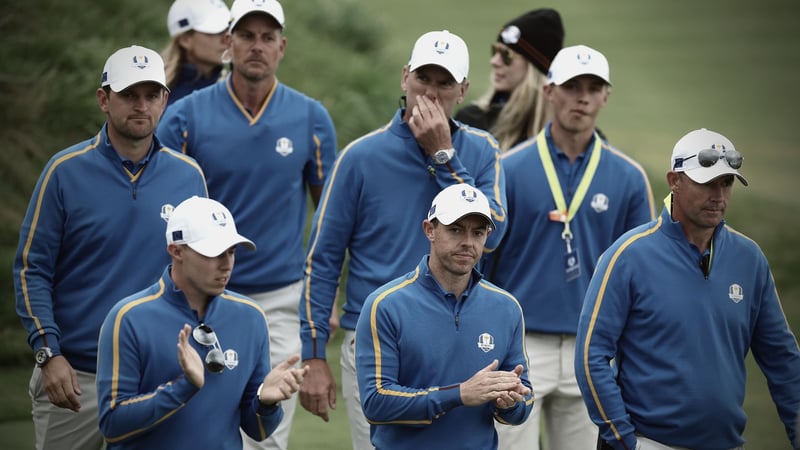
x=175 y=251
x=184 y=40
x=404 y=78
x=607 y=94
x=283 y=44
x=464 y=88
x=673 y=180
x=102 y=99
x=547 y=90
x=427 y=228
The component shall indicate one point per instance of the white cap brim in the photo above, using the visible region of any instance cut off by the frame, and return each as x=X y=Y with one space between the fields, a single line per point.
x=214 y=25
x=458 y=76
x=704 y=175
x=448 y=219
x=212 y=248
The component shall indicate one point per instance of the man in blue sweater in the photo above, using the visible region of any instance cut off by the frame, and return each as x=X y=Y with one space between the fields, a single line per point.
x=152 y=397
x=440 y=352
x=265 y=149
x=570 y=195
x=671 y=312
x=379 y=187
x=89 y=238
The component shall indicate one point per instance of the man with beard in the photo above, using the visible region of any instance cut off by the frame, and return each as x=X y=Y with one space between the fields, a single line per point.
x=90 y=237
x=449 y=394
x=381 y=184
x=672 y=311
x=262 y=146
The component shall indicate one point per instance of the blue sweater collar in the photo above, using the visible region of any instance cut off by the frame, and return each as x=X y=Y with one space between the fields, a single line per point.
x=105 y=146
x=427 y=279
x=674 y=230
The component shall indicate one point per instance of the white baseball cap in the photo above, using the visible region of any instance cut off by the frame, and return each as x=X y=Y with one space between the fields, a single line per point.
x=459 y=200
x=443 y=49
x=571 y=62
x=205 y=16
x=130 y=65
x=687 y=157
x=206 y=226
x=241 y=8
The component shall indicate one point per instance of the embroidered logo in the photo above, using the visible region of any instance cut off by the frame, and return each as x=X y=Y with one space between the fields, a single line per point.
x=486 y=342
x=284 y=146
x=220 y=218
x=600 y=203
x=140 y=61
x=231 y=359
x=441 y=47
x=735 y=293
x=584 y=58
x=166 y=211
x=469 y=195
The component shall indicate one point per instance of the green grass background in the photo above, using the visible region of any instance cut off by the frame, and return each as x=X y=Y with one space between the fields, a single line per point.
x=675 y=66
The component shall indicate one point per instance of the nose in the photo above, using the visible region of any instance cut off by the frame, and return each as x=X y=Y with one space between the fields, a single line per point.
x=432 y=92
x=496 y=60
x=716 y=191
x=469 y=240
x=140 y=103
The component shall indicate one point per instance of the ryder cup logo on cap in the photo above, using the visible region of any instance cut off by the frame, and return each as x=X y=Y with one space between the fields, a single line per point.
x=130 y=65
x=703 y=155
x=241 y=8
x=204 y=16
x=206 y=226
x=577 y=60
x=457 y=201
x=443 y=49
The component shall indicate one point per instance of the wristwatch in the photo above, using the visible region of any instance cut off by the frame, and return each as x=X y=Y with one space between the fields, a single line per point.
x=443 y=156
x=42 y=356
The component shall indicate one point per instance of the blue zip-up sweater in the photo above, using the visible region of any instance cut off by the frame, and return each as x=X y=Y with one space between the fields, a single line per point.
x=372 y=208
x=680 y=339
x=530 y=261
x=93 y=234
x=257 y=163
x=145 y=400
x=415 y=344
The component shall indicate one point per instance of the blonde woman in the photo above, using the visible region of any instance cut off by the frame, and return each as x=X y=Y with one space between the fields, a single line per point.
x=193 y=56
x=513 y=109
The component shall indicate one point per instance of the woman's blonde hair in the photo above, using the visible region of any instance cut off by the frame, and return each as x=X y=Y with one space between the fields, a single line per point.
x=524 y=114
x=174 y=58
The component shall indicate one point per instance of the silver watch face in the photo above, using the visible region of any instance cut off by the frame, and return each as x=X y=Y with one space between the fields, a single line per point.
x=441 y=157
x=41 y=356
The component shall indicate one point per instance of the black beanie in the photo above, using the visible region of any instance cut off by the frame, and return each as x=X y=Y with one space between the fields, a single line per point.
x=537 y=35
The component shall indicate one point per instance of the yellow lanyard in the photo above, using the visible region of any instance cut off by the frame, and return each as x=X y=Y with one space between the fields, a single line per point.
x=555 y=187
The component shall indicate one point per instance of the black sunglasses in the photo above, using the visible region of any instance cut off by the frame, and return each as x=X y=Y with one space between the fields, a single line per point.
x=204 y=335
x=507 y=55
x=710 y=156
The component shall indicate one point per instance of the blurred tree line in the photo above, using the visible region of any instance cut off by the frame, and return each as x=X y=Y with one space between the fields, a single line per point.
x=52 y=57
